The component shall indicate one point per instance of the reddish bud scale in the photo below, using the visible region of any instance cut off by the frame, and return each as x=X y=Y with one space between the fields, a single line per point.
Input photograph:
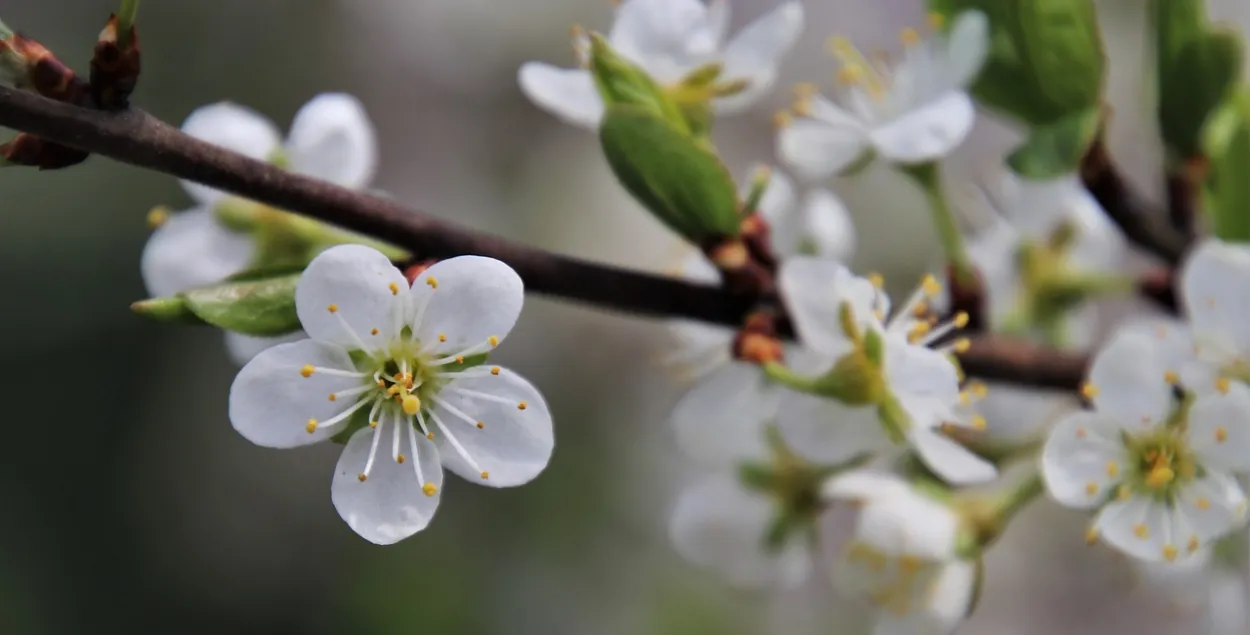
x=414 y=270
x=740 y=271
x=757 y=342
x=757 y=236
x=114 y=67
x=27 y=149
x=46 y=74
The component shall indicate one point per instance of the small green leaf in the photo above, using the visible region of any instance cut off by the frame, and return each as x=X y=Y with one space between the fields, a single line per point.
x=254 y=307
x=172 y=309
x=1226 y=193
x=623 y=83
x=1203 y=73
x=677 y=178
x=1176 y=22
x=1055 y=149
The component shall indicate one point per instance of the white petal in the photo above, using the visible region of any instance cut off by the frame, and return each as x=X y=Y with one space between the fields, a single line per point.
x=1016 y=414
x=232 y=127
x=569 y=94
x=910 y=524
x=756 y=51
x=918 y=371
x=952 y=596
x=1172 y=343
x=777 y=203
x=512 y=446
x=191 y=249
x=242 y=348
x=1120 y=524
x=864 y=485
x=828 y=225
x=271 y=401
x=333 y=139
x=967 y=46
x=956 y=464
x=1213 y=505
x=1083 y=449
x=1131 y=380
x=467 y=298
x=1215 y=287
x=814 y=290
x=364 y=290
x=722 y=418
x=647 y=29
x=1219 y=428
x=390 y=505
x=815 y=149
x=825 y=430
x=927 y=133
x=717 y=17
x=720 y=525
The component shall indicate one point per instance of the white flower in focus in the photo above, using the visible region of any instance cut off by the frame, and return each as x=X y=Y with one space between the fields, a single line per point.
x=1160 y=470
x=393 y=367
x=913 y=111
x=722 y=525
x=1215 y=291
x=835 y=313
x=903 y=557
x=669 y=39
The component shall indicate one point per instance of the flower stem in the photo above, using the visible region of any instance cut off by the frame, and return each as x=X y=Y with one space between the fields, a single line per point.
x=783 y=375
x=989 y=517
x=928 y=177
x=1019 y=496
x=126 y=21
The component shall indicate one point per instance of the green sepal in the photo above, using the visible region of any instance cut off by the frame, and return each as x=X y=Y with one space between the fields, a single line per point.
x=1192 y=85
x=758 y=476
x=169 y=309
x=622 y=83
x=678 y=179
x=264 y=306
x=1055 y=149
x=1226 y=192
x=779 y=532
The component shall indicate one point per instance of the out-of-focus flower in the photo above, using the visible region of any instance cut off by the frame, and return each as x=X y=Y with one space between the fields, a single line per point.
x=1159 y=469
x=399 y=373
x=669 y=39
x=914 y=111
x=1215 y=291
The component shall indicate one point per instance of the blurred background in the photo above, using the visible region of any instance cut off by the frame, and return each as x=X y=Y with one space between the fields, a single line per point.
x=133 y=507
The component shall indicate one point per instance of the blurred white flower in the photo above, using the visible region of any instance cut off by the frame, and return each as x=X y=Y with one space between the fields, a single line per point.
x=914 y=111
x=1215 y=291
x=903 y=557
x=1159 y=469
x=403 y=357
x=331 y=138
x=836 y=315
x=668 y=39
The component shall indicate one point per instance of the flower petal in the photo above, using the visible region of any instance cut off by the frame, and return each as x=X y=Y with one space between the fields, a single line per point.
x=927 y=133
x=827 y=225
x=1082 y=459
x=814 y=149
x=232 y=127
x=909 y=524
x=1138 y=526
x=1215 y=287
x=469 y=299
x=825 y=430
x=967 y=46
x=719 y=525
x=242 y=348
x=663 y=32
x=1219 y=428
x=777 y=203
x=271 y=401
x=191 y=249
x=569 y=94
x=722 y=418
x=756 y=51
x=814 y=290
x=1130 y=380
x=1212 y=505
x=391 y=504
x=918 y=371
x=951 y=598
x=864 y=485
x=956 y=464
x=333 y=139
x=348 y=291
x=515 y=440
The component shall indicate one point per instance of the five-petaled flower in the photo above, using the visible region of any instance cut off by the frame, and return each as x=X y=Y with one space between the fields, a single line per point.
x=669 y=39
x=912 y=112
x=398 y=371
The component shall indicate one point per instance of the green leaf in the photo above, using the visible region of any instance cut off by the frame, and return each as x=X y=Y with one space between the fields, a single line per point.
x=678 y=179
x=1226 y=192
x=1176 y=22
x=254 y=307
x=1055 y=149
x=1192 y=84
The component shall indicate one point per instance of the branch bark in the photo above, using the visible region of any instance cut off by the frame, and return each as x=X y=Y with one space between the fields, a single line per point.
x=1144 y=226
x=132 y=136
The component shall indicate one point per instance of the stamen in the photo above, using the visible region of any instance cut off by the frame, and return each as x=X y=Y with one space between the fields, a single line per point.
x=451 y=438
x=455 y=412
x=483 y=347
x=395 y=441
x=432 y=281
x=347 y=328
x=419 y=313
x=483 y=396
x=421 y=422
x=307 y=370
x=416 y=459
x=373 y=451
x=158 y=216
x=1089 y=391
x=342 y=416
x=411 y=404
x=394 y=288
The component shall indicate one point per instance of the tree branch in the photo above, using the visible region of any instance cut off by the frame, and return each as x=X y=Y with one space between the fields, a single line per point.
x=1144 y=226
x=135 y=137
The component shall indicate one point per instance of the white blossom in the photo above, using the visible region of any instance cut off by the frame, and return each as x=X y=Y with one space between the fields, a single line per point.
x=914 y=111
x=391 y=366
x=1215 y=291
x=669 y=39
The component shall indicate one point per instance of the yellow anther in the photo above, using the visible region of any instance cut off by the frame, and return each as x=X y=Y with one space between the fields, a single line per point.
x=311 y=426
x=481 y=424
x=1091 y=535
x=1124 y=492
x=805 y=89
x=1169 y=553
x=961 y=345
x=362 y=477
x=1113 y=469
x=429 y=489
x=494 y=370
x=333 y=308
x=307 y=370
x=522 y=406
x=841 y=47
x=158 y=216
x=920 y=310
x=1141 y=531
x=373 y=331
x=1171 y=377
x=918 y=331
x=485 y=475
x=850 y=75
x=394 y=288
x=373 y=424
x=1091 y=488
x=1203 y=503
x=1081 y=433
x=961 y=320
x=965 y=398
x=1221 y=434
x=1193 y=544
x=411 y=405
x=979 y=422
x=493 y=341
x=877 y=280
x=460 y=359
x=432 y=281
x=1089 y=391
x=442 y=337
x=400 y=459
x=803 y=106
x=429 y=435
x=782 y=119
x=948 y=428
x=979 y=389
x=394 y=390
x=1222 y=384
x=334 y=397
x=1159 y=477
x=931 y=286
x=936 y=20
x=909 y=36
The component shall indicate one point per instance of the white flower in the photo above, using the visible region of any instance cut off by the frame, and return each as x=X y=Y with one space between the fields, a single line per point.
x=720 y=524
x=668 y=39
x=331 y=138
x=1043 y=237
x=921 y=392
x=1158 y=469
x=1215 y=291
x=723 y=413
x=915 y=111
x=903 y=557
x=392 y=366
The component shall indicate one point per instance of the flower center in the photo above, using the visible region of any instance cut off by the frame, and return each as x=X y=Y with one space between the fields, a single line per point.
x=1160 y=464
x=896 y=583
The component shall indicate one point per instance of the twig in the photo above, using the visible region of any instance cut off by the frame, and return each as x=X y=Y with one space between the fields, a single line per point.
x=135 y=137
x=1143 y=225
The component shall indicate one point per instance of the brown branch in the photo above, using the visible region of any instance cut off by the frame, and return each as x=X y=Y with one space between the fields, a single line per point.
x=1140 y=222
x=132 y=136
